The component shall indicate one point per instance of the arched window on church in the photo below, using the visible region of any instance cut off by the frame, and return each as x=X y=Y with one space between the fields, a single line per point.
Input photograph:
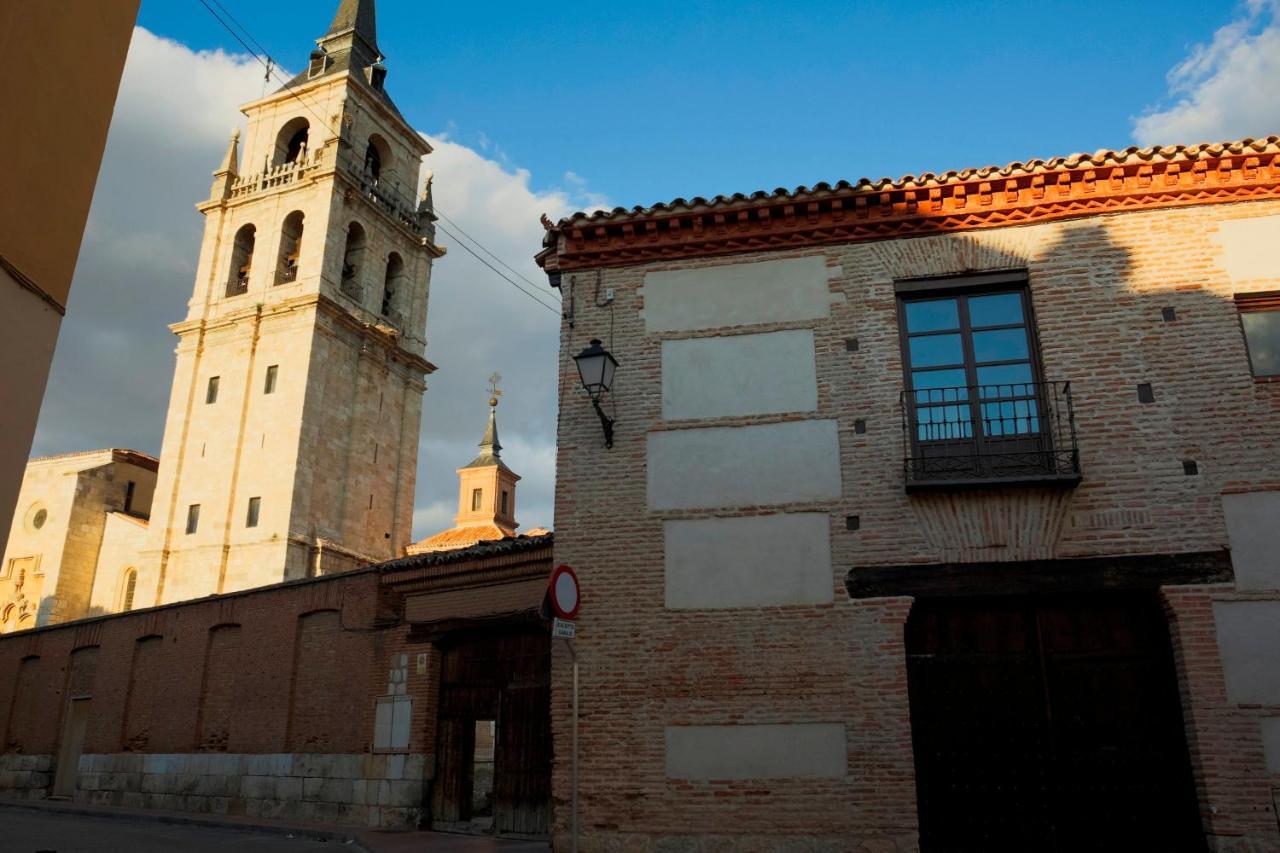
x=352 y=258
x=393 y=290
x=241 y=260
x=290 y=246
x=291 y=142
x=127 y=591
x=377 y=159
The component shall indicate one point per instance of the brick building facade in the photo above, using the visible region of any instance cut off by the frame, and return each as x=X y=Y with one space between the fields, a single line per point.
x=350 y=718
x=941 y=513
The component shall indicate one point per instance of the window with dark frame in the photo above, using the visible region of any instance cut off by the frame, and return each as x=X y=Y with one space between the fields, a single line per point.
x=504 y=501
x=970 y=357
x=211 y=392
x=269 y=384
x=193 y=518
x=1260 y=321
x=251 y=517
x=128 y=495
x=976 y=407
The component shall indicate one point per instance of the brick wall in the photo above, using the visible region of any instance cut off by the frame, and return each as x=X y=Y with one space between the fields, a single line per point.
x=258 y=703
x=1098 y=286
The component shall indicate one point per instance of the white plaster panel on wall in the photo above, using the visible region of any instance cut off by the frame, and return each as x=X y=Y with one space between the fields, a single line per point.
x=739 y=375
x=1253 y=529
x=1249 y=642
x=744 y=466
x=1248 y=247
x=738 y=294
x=789 y=750
x=1271 y=743
x=759 y=561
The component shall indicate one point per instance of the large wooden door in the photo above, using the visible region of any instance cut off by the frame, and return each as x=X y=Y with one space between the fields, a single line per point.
x=1049 y=725
x=493 y=765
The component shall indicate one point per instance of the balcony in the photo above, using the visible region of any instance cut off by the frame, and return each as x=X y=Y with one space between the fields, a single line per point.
x=350 y=287
x=278 y=176
x=989 y=435
x=238 y=285
x=387 y=199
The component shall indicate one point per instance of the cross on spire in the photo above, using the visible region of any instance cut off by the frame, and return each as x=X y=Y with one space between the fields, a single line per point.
x=494 y=391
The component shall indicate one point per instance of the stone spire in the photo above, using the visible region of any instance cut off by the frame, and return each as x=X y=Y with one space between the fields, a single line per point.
x=356 y=15
x=227 y=173
x=490 y=448
x=486 y=494
x=354 y=31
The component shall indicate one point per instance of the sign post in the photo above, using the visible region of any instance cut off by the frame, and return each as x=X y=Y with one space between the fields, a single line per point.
x=564 y=596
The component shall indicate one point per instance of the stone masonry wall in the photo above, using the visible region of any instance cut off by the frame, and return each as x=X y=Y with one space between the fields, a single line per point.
x=259 y=703
x=1098 y=286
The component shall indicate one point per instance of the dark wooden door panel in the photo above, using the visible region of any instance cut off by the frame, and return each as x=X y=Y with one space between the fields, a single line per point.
x=506 y=678
x=1049 y=726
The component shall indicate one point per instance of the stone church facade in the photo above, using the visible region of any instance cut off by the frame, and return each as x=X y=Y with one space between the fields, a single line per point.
x=291 y=439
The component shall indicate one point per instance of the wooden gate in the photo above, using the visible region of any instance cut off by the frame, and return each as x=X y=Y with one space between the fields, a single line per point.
x=497 y=783
x=1051 y=725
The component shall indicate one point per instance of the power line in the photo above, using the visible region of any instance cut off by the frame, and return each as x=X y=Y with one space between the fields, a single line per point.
x=516 y=272
x=499 y=272
x=268 y=63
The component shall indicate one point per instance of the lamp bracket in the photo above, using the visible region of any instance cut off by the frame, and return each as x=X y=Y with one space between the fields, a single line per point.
x=605 y=421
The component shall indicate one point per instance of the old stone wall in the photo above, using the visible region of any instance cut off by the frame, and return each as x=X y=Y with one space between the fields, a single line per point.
x=260 y=703
x=708 y=610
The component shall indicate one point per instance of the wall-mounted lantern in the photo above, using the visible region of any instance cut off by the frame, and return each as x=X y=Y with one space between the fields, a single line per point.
x=596 y=366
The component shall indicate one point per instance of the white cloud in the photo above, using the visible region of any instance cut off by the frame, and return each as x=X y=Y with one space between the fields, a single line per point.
x=113 y=368
x=1224 y=89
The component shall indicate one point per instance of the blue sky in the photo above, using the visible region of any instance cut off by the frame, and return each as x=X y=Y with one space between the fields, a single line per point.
x=649 y=101
x=536 y=108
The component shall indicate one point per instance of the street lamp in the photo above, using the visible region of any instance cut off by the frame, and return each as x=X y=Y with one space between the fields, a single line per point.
x=596 y=366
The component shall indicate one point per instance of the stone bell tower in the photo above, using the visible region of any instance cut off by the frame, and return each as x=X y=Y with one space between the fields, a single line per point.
x=291 y=443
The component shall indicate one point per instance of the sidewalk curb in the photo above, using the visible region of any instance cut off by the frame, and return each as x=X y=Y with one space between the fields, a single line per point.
x=346 y=837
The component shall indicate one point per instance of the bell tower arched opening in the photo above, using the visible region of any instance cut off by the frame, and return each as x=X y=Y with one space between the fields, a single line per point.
x=290 y=247
x=291 y=141
x=352 y=258
x=393 y=289
x=377 y=159
x=241 y=260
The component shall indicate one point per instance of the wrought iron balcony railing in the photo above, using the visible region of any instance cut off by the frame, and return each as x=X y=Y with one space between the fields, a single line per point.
x=990 y=434
x=352 y=288
x=387 y=199
x=238 y=285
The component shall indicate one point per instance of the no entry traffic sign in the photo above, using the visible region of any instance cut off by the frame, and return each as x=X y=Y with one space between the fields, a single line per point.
x=564 y=592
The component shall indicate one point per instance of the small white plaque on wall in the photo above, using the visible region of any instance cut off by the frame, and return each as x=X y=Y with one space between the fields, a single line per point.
x=756 y=561
x=737 y=294
x=760 y=465
x=785 y=750
x=1248 y=248
x=739 y=375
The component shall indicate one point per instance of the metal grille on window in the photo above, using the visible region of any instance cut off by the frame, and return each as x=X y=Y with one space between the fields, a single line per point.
x=975 y=407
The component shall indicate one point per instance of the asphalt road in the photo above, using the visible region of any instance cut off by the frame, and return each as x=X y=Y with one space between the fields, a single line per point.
x=39 y=832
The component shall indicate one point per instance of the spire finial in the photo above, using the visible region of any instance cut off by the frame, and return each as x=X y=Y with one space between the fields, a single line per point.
x=494 y=391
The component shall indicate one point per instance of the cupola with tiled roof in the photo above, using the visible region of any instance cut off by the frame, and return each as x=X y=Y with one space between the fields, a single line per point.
x=486 y=496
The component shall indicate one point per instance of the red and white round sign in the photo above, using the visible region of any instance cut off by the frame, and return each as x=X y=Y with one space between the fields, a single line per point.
x=564 y=592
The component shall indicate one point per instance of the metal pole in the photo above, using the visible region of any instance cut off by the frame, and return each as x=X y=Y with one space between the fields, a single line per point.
x=574 y=846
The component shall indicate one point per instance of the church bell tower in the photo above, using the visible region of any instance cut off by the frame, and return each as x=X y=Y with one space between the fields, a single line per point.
x=291 y=441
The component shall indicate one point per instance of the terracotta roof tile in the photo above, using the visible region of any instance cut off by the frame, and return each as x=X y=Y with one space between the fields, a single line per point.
x=1103 y=157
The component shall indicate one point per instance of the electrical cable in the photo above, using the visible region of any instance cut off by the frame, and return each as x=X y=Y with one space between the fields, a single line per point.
x=270 y=65
x=513 y=270
x=499 y=273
